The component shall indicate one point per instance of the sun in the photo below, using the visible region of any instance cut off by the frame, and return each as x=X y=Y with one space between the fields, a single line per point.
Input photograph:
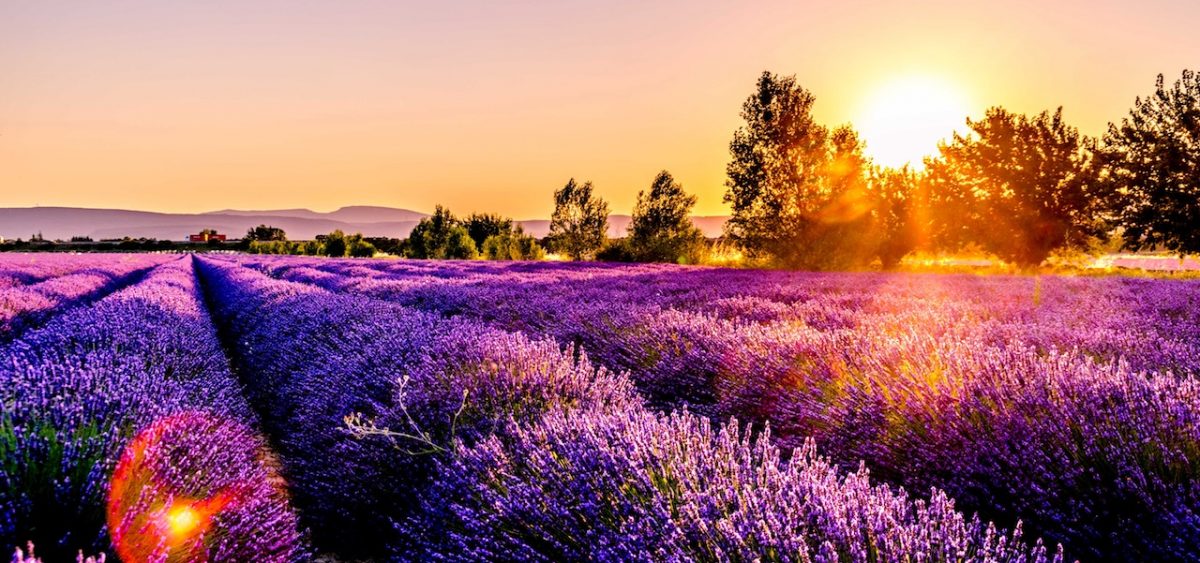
x=903 y=120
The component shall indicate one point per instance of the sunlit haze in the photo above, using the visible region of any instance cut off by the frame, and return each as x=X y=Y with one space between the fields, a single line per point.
x=903 y=120
x=490 y=106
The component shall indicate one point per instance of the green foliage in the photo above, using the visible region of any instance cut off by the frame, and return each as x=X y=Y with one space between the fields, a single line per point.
x=617 y=250
x=1151 y=160
x=661 y=229
x=265 y=233
x=797 y=190
x=441 y=236
x=512 y=245
x=483 y=225
x=335 y=244
x=273 y=247
x=579 y=224
x=358 y=248
x=1021 y=187
x=460 y=246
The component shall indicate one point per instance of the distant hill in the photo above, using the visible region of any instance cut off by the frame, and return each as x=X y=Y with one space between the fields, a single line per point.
x=350 y=214
x=300 y=224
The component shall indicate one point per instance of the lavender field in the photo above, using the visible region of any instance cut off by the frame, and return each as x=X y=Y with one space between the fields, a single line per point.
x=259 y=408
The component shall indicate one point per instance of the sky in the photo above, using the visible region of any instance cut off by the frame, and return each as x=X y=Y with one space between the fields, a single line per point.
x=489 y=105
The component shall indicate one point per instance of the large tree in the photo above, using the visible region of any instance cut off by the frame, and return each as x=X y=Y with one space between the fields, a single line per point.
x=1019 y=186
x=579 y=224
x=1152 y=160
x=796 y=189
x=661 y=229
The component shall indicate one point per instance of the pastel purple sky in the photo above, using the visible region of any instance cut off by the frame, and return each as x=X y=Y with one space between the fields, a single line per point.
x=490 y=106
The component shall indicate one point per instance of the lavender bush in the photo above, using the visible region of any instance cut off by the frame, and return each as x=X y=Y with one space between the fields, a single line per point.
x=125 y=412
x=988 y=387
x=38 y=289
x=635 y=486
x=363 y=396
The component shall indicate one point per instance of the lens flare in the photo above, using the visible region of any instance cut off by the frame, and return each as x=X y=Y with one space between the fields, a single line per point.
x=162 y=506
x=182 y=520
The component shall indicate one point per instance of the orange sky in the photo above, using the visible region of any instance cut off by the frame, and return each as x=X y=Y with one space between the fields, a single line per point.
x=490 y=106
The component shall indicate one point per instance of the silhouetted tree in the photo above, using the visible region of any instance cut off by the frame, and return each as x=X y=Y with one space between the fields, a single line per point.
x=899 y=213
x=483 y=225
x=661 y=229
x=1152 y=162
x=1018 y=186
x=334 y=244
x=797 y=191
x=265 y=233
x=441 y=236
x=579 y=224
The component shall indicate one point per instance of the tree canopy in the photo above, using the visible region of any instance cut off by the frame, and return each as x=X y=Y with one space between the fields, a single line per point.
x=1019 y=186
x=1152 y=162
x=441 y=236
x=796 y=189
x=661 y=229
x=480 y=226
x=579 y=225
x=265 y=233
x=900 y=213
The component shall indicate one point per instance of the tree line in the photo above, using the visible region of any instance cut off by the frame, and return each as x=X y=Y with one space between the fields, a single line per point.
x=804 y=195
x=1018 y=186
x=660 y=230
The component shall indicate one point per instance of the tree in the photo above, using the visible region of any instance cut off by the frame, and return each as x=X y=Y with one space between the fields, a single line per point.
x=797 y=191
x=512 y=245
x=265 y=233
x=335 y=244
x=441 y=236
x=483 y=225
x=429 y=238
x=579 y=224
x=661 y=229
x=1151 y=161
x=460 y=246
x=899 y=213
x=1021 y=187
x=359 y=248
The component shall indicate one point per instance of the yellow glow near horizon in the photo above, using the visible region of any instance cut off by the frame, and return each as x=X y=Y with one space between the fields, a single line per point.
x=903 y=120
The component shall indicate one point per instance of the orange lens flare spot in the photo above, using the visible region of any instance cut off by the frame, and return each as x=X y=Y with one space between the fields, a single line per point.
x=182 y=521
x=161 y=505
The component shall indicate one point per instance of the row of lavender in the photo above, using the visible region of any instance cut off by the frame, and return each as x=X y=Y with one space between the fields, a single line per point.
x=1069 y=403
x=125 y=433
x=407 y=435
x=35 y=287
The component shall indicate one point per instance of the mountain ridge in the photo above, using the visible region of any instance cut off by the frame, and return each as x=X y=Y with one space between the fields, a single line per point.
x=56 y=222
